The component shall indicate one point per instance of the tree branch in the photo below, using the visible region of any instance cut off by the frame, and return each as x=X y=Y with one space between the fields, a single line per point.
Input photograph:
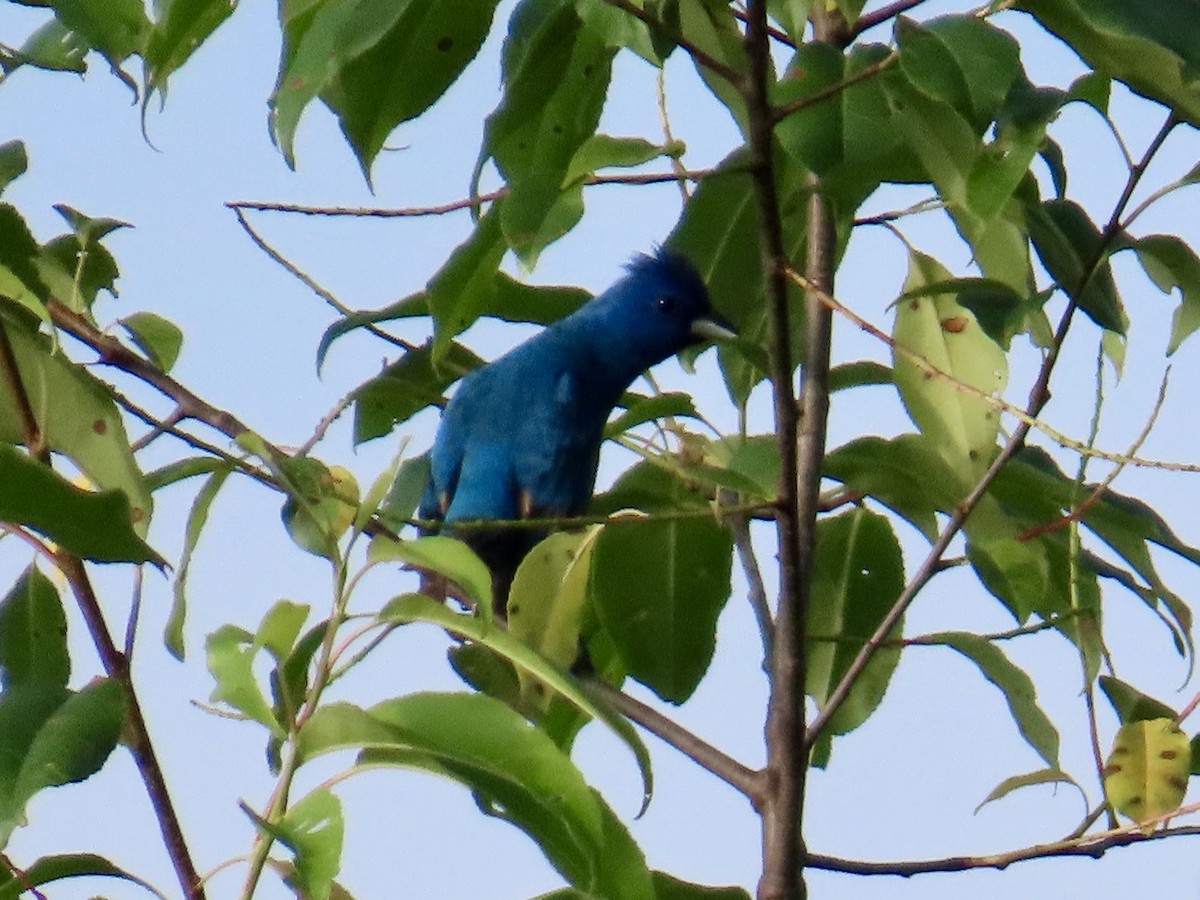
x=708 y=757
x=881 y=15
x=1094 y=846
x=782 y=810
x=712 y=64
x=136 y=734
x=114 y=662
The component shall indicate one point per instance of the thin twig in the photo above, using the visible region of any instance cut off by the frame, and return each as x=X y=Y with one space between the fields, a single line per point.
x=881 y=15
x=115 y=663
x=136 y=735
x=113 y=353
x=708 y=757
x=323 y=426
x=466 y=203
x=775 y=33
x=756 y=590
x=709 y=62
x=799 y=105
x=1093 y=846
x=1000 y=403
x=31 y=431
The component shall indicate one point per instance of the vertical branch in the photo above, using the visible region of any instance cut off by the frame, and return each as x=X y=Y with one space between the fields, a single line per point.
x=136 y=733
x=115 y=663
x=801 y=449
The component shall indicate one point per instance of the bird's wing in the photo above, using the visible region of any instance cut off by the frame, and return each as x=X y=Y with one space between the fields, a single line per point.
x=554 y=462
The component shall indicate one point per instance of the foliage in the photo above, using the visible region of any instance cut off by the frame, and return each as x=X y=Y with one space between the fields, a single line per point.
x=944 y=106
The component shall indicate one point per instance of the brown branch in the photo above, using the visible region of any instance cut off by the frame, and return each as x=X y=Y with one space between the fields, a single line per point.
x=776 y=34
x=113 y=353
x=136 y=734
x=867 y=72
x=1095 y=847
x=881 y=15
x=782 y=809
x=739 y=527
x=712 y=64
x=708 y=757
x=30 y=430
x=465 y=203
x=114 y=662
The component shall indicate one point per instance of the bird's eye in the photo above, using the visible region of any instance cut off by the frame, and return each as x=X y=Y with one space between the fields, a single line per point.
x=666 y=303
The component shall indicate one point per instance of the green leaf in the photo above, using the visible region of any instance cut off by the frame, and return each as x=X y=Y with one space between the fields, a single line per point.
x=446 y=556
x=1019 y=693
x=659 y=584
x=860 y=573
x=182 y=26
x=322 y=504
x=1073 y=252
x=75 y=271
x=556 y=75
x=417 y=608
x=507 y=299
x=18 y=262
x=77 y=417
x=1172 y=264
x=516 y=773
x=51 y=737
x=962 y=60
x=93 y=525
x=905 y=474
x=1130 y=704
x=863 y=373
x=308 y=62
x=668 y=887
x=13 y=162
x=197 y=519
x=1155 y=54
x=603 y=151
x=945 y=334
x=406 y=387
x=33 y=634
x=1041 y=776
x=405 y=492
x=314 y=830
x=49 y=869
x=640 y=410
x=546 y=603
x=231 y=653
x=718 y=232
x=54 y=47
x=1146 y=773
x=115 y=28
x=711 y=26
x=392 y=61
x=619 y=29
x=953 y=158
x=157 y=337
x=1127 y=525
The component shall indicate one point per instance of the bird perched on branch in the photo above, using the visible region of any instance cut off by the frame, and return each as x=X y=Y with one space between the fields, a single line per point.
x=521 y=437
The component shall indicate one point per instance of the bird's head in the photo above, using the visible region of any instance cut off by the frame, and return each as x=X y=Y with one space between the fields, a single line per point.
x=660 y=307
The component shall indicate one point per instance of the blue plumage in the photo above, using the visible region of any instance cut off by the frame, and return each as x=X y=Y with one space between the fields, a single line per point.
x=521 y=436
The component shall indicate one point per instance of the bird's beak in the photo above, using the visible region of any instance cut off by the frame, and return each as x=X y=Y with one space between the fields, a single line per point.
x=713 y=327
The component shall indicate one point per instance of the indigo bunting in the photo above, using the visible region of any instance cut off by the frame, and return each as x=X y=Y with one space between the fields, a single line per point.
x=521 y=437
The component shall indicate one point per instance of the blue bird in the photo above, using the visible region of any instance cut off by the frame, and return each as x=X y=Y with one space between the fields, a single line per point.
x=521 y=436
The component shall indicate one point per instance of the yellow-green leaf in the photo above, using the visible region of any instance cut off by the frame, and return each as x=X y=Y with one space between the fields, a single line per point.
x=1146 y=774
x=938 y=333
